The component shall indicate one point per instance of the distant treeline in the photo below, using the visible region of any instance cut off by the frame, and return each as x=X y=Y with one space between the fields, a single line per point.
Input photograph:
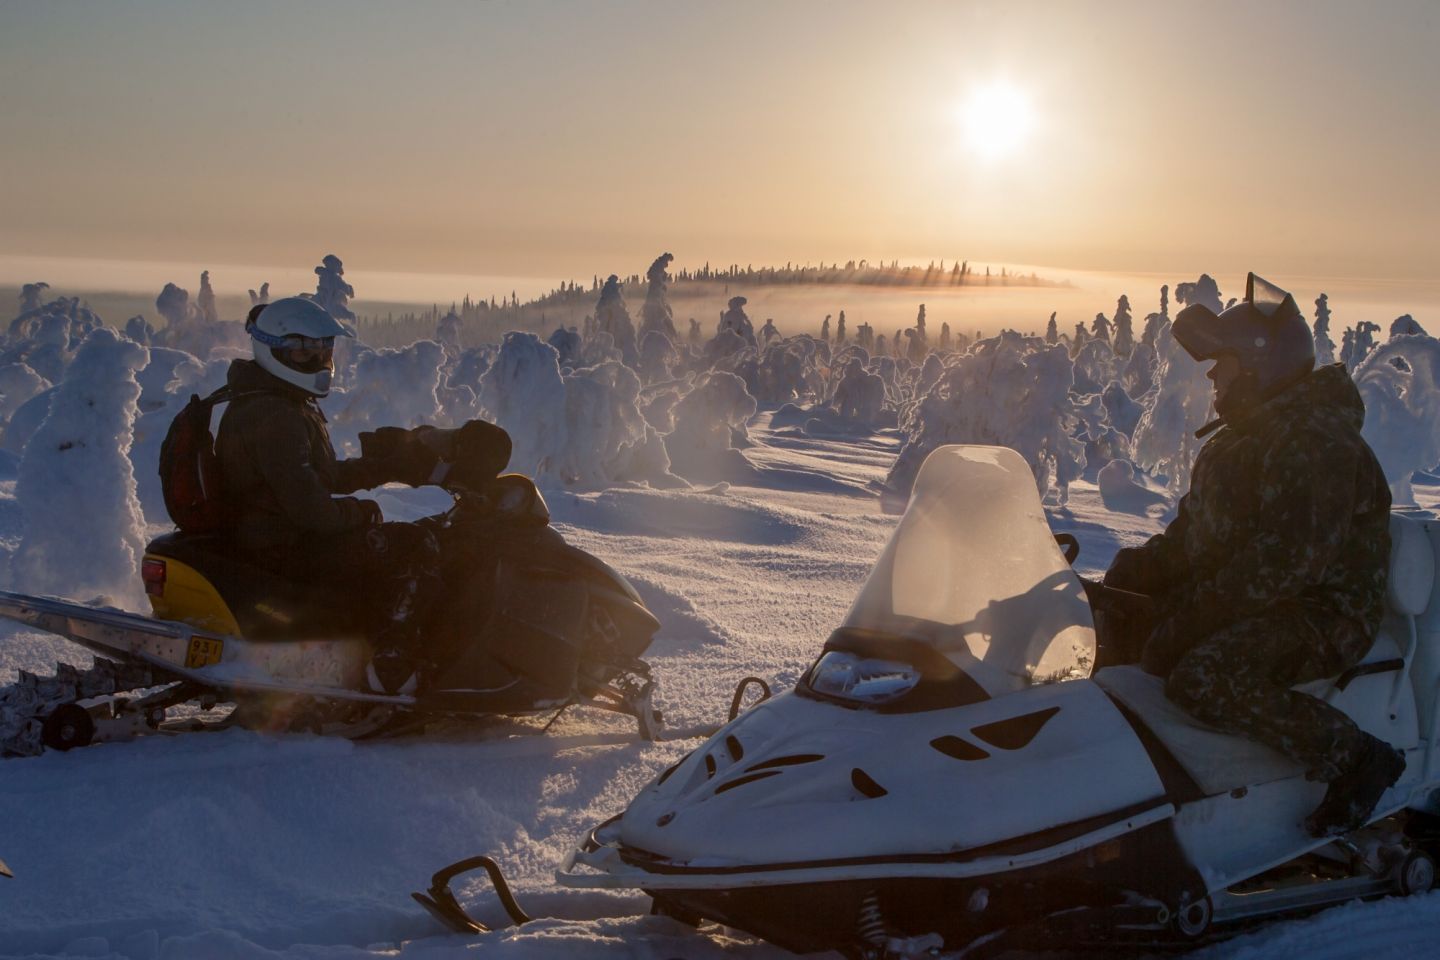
x=484 y=321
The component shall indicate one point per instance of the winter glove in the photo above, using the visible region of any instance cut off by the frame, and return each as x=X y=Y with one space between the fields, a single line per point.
x=1129 y=571
x=419 y=466
x=482 y=450
x=400 y=456
x=359 y=514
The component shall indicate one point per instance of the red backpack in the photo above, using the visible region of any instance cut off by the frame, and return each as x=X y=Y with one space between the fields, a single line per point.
x=189 y=470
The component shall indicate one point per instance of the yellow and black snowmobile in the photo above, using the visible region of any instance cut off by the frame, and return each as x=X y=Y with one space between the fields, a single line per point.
x=528 y=625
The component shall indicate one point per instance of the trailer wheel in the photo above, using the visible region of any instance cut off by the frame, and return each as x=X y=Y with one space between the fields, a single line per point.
x=1416 y=873
x=1192 y=920
x=68 y=726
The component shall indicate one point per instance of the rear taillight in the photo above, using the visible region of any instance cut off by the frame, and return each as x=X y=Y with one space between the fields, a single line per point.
x=153 y=573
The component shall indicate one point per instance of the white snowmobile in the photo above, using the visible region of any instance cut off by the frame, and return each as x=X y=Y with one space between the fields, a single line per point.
x=528 y=625
x=948 y=779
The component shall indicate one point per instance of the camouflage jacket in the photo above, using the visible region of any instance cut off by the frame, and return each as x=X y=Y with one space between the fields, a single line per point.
x=1288 y=510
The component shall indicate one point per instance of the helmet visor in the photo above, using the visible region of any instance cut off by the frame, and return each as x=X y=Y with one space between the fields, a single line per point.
x=306 y=354
x=1197 y=330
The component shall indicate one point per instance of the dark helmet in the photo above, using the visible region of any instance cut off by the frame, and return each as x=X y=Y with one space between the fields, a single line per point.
x=1266 y=333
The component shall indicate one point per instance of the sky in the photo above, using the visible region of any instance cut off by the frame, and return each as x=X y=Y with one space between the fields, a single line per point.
x=551 y=139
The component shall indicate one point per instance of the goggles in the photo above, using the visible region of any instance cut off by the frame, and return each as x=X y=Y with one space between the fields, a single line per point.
x=298 y=352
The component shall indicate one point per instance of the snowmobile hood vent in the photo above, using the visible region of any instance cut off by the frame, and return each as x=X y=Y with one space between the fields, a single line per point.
x=1016 y=732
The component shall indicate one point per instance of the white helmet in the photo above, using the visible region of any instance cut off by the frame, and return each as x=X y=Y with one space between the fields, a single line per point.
x=294 y=339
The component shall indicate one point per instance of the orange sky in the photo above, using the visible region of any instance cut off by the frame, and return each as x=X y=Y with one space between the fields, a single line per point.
x=548 y=139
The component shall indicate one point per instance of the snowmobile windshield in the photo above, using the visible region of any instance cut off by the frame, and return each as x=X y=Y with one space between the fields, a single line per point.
x=973 y=572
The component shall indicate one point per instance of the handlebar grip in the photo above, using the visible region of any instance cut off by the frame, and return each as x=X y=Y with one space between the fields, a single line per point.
x=1070 y=545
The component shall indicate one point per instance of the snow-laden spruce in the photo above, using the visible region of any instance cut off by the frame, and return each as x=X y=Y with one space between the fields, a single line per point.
x=82 y=529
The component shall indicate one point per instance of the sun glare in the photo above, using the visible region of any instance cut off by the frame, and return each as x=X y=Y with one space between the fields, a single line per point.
x=996 y=120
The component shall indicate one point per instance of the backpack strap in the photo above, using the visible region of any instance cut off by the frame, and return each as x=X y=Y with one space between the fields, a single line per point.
x=224 y=395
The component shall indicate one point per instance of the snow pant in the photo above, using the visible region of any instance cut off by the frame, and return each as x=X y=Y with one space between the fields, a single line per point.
x=393 y=569
x=1238 y=681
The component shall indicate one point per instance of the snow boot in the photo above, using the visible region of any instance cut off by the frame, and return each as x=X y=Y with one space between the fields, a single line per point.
x=1351 y=797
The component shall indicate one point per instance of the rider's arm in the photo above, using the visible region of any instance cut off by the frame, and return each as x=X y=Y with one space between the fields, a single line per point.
x=388 y=455
x=299 y=489
x=360 y=473
x=1159 y=564
x=1307 y=497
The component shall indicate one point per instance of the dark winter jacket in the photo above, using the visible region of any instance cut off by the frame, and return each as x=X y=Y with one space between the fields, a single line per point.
x=1287 y=507
x=278 y=468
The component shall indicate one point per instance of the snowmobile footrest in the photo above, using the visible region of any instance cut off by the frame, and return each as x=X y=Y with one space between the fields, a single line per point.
x=443 y=906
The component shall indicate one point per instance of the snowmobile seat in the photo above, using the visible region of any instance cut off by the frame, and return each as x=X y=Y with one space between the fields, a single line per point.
x=1217 y=762
x=1375 y=693
x=265 y=605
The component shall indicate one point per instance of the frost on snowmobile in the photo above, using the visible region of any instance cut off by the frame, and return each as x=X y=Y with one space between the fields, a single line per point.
x=947 y=778
x=528 y=624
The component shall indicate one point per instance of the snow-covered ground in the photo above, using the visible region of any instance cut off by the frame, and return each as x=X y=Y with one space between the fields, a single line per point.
x=238 y=846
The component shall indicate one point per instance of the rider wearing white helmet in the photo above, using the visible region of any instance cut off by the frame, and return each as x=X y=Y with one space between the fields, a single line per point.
x=294 y=339
x=280 y=476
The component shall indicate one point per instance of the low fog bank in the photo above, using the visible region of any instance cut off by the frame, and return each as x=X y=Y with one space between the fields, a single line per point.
x=121 y=289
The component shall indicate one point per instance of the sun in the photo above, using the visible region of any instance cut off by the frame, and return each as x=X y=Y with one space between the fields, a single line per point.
x=996 y=120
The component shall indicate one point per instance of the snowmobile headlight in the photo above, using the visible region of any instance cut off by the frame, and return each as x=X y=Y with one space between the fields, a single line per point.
x=847 y=676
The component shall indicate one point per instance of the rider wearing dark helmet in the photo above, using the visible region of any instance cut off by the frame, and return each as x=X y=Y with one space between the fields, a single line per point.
x=279 y=479
x=1273 y=571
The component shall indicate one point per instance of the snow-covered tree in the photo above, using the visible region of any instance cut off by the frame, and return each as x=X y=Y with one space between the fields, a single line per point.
x=1400 y=383
x=655 y=314
x=709 y=421
x=1100 y=328
x=1164 y=440
x=1124 y=339
x=1405 y=326
x=523 y=392
x=1011 y=391
x=1324 y=346
x=82 y=529
x=173 y=304
x=612 y=317
x=736 y=321
x=30 y=295
x=205 y=300
x=331 y=290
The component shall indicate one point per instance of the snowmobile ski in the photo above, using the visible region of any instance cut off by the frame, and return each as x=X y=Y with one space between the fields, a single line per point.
x=442 y=905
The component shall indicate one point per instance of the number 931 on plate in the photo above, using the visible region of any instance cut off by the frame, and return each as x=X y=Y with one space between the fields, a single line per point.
x=203 y=652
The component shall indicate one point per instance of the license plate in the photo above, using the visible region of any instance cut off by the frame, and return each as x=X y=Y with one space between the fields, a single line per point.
x=203 y=652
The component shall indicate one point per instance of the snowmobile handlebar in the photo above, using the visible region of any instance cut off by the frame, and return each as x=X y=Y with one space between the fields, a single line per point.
x=1069 y=545
x=469 y=456
x=511 y=496
x=1103 y=598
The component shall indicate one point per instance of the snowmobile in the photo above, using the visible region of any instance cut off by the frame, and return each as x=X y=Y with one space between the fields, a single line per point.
x=530 y=625
x=949 y=778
